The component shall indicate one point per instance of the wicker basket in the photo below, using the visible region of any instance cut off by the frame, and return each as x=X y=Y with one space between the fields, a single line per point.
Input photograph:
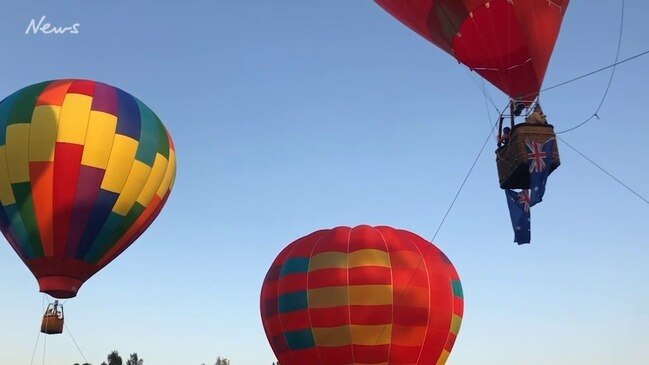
x=52 y=324
x=513 y=167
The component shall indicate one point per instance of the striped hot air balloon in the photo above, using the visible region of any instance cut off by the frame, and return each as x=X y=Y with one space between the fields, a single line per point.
x=84 y=169
x=363 y=295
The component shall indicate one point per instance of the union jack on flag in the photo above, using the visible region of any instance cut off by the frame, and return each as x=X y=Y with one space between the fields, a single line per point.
x=536 y=156
x=539 y=156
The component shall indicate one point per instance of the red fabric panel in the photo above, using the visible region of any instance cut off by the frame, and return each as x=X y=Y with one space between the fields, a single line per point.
x=370 y=354
x=365 y=237
x=325 y=278
x=41 y=175
x=295 y=321
x=370 y=275
x=371 y=314
x=85 y=87
x=329 y=317
x=66 y=174
x=332 y=356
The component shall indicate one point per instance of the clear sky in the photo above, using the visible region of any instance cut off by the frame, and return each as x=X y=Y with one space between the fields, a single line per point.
x=291 y=116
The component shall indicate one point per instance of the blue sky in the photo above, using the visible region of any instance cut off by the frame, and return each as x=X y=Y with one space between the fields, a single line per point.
x=293 y=116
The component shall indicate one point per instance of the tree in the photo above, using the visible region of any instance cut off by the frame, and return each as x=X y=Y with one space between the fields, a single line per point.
x=134 y=360
x=222 y=361
x=113 y=359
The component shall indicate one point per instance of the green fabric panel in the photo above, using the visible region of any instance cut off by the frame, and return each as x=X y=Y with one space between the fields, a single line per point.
x=127 y=223
x=163 y=139
x=148 y=145
x=5 y=111
x=19 y=230
x=25 y=103
x=457 y=289
x=23 y=193
x=300 y=339
x=103 y=239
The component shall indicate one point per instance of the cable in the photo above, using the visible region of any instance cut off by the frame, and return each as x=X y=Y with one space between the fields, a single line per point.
x=610 y=80
x=39 y=334
x=75 y=342
x=603 y=170
x=35 y=348
x=423 y=255
x=44 y=348
x=464 y=182
x=596 y=71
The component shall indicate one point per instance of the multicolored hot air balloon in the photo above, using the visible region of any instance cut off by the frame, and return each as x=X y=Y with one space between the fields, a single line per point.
x=363 y=295
x=84 y=169
x=509 y=43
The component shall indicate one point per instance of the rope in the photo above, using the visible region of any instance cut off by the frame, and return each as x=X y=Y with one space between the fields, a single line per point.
x=44 y=347
x=596 y=71
x=610 y=80
x=604 y=171
x=463 y=183
x=39 y=334
x=75 y=342
x=423 y=255
x=35 y=347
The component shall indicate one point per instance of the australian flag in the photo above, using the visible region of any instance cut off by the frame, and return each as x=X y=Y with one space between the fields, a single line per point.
x=519 y=211
x=540 y=159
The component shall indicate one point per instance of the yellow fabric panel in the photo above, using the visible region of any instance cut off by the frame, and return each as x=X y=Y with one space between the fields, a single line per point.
x=370 y=294
x=373 y=335
x=42 y=138
x=121 y=159
x=328 y=260
x=155 y=179
x=99 y=139
x=134 y=184
x=369 y=257
x=443 y=358
x=332 y=336
x=6 y=192
x=18 y=152
x=170 y=175
x=455 y=324
x=73 y=121
x=333 y=296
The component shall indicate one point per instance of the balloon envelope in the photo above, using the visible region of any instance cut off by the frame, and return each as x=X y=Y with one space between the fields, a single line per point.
x=363 y=295
x=509 y=43
x=84 y=169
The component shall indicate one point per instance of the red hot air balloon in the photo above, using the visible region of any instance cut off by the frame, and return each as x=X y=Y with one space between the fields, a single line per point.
x=363 y=295
x=84 y=169
x=508 y=42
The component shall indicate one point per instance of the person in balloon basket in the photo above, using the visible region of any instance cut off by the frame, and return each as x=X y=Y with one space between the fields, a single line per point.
x=537 y=116
x=54 y=310
x=503 y=139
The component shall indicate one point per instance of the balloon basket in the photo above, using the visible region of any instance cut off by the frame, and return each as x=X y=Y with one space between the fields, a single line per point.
x=512 y=160
x=52 y=322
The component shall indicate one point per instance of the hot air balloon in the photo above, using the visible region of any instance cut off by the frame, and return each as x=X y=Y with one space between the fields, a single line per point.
x=508 y=43
x=362 y=295
x=84 y=169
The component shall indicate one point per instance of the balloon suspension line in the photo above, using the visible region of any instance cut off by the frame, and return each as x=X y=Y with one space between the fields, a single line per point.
x=35 y=348
x=39 y=334
x=44 y=348
x=604 y=171
x=610 y=80
x=448 y=211
x=75 y=342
